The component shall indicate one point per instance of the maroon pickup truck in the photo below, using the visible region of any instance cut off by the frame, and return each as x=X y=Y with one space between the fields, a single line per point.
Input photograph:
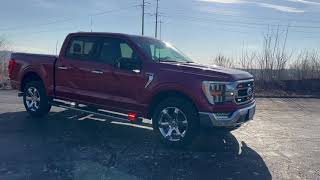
x=128 y=77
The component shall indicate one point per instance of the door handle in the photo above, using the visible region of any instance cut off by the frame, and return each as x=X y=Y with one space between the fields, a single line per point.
x=97 y=72
x=63 y=68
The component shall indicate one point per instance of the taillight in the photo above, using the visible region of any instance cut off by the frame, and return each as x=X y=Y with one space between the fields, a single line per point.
x=12 y=65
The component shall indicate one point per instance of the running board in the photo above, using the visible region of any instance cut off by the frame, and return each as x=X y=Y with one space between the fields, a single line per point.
x=113 y=116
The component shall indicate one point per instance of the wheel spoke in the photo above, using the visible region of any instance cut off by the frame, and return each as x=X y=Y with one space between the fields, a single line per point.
x=169 y=133
x=36 y=106
x=30 y=92
x=176 y=112
x=164 y=124
x=31 y=106
x=183 y=123
x=177 y=131
x=29 y=103
x=167 y=114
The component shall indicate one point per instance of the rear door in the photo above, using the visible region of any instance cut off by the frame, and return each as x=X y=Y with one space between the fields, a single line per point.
x=74 y=67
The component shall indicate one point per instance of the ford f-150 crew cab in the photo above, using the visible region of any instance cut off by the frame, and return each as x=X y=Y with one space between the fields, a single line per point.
x=128 y=77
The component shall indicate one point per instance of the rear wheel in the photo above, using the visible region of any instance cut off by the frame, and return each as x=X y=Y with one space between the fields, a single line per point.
x=176 y=122
x=35 y=99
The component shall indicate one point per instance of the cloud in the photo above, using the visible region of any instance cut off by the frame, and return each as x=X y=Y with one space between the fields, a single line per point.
x=44 y=3
x=305 y=2
x=281 y=8
x=224 y=1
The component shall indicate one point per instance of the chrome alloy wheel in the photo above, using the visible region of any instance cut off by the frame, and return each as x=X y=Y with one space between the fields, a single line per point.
x=173 y=124
x=32 y=99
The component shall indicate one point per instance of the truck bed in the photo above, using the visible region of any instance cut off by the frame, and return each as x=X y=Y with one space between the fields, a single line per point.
x=41 y=64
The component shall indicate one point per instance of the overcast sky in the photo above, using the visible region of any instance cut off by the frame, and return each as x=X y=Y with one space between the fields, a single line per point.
x=200 y=28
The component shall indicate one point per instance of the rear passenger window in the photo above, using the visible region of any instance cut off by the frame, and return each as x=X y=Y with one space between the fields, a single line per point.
x=83 y=48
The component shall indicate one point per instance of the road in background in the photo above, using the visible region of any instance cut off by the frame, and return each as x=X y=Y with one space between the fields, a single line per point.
x=283 y=142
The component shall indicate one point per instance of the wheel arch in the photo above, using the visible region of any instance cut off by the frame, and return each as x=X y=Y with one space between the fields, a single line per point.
x=28 y=77
x=160 y=96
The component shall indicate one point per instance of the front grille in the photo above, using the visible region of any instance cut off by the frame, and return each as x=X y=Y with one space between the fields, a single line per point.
x=245 y=92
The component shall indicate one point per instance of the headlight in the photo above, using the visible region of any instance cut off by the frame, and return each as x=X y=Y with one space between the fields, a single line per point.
x=218 y=92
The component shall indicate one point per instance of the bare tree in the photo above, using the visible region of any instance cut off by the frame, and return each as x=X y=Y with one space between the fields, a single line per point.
x=274 y=57
x=306 y=65
x=221 y=60
x=247 y=61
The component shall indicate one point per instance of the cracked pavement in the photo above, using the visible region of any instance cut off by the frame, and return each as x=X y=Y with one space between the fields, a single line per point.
x=282 y=142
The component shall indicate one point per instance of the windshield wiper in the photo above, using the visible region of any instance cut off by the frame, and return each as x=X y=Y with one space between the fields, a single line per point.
x=166 y=59
x=188 y=62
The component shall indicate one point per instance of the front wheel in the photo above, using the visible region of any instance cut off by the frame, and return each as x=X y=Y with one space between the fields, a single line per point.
x=35 y=99
x=176 y=122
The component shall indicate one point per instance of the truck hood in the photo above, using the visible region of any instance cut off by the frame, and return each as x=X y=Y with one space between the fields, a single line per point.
x=210 y=71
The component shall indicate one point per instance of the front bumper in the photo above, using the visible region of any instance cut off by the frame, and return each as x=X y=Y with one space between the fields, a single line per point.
x=230 y=120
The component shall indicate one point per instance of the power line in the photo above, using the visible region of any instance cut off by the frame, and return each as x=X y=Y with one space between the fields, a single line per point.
x=241 y=22
x=235 y=23
x=246 y=17
x=233 y=26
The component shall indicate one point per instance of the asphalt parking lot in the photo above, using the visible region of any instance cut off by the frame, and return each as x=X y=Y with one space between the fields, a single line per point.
x=282 y=142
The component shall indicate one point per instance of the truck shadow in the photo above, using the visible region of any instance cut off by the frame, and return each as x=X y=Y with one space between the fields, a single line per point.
x=60 y=146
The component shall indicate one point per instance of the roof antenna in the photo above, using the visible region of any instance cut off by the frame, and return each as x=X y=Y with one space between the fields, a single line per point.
x=91 y=23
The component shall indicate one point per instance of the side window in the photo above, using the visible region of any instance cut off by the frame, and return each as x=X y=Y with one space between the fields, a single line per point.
x=110 y=51
x=118 y=53
x=82 y=48
x=126 y=51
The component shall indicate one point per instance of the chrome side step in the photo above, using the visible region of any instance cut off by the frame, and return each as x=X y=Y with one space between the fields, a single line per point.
x=112 y=116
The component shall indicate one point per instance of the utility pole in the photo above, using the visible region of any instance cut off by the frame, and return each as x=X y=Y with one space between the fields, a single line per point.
x=143 y=5
x=157 y=14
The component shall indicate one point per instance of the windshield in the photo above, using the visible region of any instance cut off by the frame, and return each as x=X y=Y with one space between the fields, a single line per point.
x=160 y=51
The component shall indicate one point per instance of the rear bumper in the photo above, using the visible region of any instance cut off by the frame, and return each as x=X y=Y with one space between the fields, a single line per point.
x=227 y=120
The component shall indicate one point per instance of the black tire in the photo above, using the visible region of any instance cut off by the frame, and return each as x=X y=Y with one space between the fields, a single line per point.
x=188 y=110
x=44 y=104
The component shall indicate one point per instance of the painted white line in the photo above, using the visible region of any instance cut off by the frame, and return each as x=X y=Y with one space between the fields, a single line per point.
x=132 y=125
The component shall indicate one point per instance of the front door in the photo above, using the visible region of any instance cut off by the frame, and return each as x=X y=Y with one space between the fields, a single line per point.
x=128 y=80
